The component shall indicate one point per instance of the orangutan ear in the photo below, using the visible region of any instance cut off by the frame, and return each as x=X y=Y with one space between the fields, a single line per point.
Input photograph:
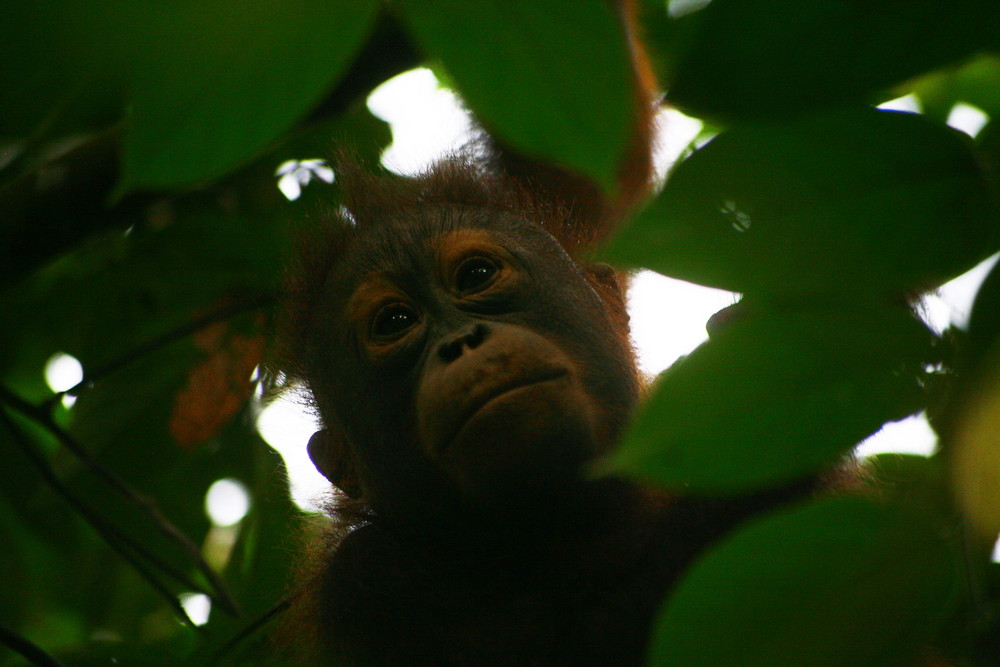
x=331 y=455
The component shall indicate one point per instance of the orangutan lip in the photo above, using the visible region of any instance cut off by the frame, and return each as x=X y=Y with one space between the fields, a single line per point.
x=500 y=391
x=517 y=384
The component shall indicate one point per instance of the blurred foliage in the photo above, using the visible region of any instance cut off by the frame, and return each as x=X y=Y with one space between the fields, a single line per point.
x=862 y=566
x=141 y=232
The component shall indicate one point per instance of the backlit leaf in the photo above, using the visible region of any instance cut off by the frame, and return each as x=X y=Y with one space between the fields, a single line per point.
x=220 y=79
x=775 y=395
x=862 y=201
x=564 y=61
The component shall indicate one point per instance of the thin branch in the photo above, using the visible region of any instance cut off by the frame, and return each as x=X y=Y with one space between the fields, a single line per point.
x=121 y=543
x=219 y=593
x=27 y=649
x=227 y=312
x=254 y=627
x=42 y=415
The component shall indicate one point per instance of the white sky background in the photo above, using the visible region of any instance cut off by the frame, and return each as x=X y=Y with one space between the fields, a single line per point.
x=668 y=316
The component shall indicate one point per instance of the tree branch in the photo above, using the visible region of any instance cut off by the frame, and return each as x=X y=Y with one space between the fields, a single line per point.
x=268 y=616
x=219 y=594
x=27 y=649
x=228 y=311
x=126 y=547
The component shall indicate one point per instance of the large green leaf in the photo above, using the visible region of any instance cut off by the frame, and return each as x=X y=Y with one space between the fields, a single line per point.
x=838 y=582
x=549 y=76
x=984 y=321
x=775 y=395
x=220 y=79
x=975 y=83
x=768 y=58
x=65 y=71
x=862 y=201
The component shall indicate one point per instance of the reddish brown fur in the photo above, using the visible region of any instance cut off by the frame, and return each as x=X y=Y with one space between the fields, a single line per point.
x=462 y=180
x=458 y=181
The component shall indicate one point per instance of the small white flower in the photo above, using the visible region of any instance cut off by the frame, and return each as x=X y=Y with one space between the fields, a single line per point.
x=293 y=175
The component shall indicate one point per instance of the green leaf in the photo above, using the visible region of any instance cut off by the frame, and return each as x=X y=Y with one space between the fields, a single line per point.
x=861 y=201
x=70 y=74
x=836 y=582
x=551 y=77
x=766 y=58
x=974 y=82
x=988 y=147
x=222 y=78
x=775 y=395
x=984 y=321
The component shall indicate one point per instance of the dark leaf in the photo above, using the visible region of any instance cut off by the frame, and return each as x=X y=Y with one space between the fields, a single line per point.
x=837 y=582
x=218 y=387
x=984 y=321
x=71 y=68
x=564 y=61
x=765 y=58
x=862 y=201
x=221 y=79
x=775 y=395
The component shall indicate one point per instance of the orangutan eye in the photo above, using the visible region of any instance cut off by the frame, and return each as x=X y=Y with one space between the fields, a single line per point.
x=475 y=274
x=393 y=320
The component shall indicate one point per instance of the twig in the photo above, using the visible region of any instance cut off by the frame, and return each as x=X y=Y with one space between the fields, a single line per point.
x=188 y=328
x=121 y=543
x=27 y=649
x=42 y=415
x=253 y=627
x=219 y=593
